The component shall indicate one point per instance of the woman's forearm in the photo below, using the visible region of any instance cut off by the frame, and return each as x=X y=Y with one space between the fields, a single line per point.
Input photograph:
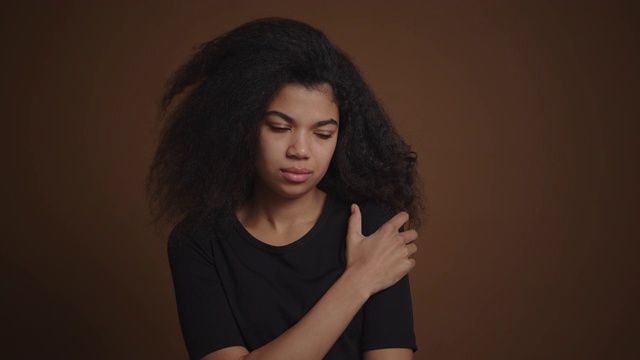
x=316 y=332
x=313 y=336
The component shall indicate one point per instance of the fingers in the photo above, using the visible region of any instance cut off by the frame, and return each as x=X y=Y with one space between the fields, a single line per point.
x=355 y=221
x=398 y=220
x=409 y=236
x=412 y=248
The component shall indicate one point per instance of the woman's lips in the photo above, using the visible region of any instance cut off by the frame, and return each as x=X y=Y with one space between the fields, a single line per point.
x=296 y=175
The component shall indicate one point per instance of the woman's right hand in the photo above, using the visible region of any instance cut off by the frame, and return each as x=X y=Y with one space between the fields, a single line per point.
x=381 y=259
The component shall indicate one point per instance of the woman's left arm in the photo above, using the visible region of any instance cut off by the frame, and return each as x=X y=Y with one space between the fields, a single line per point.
x=388 y=315
x=389 y=354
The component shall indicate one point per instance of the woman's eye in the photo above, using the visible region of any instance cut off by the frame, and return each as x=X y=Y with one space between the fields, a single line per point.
x=324 y=135
x=278 y=128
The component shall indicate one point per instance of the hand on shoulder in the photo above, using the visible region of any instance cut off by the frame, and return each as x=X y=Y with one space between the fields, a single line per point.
x=381 y=259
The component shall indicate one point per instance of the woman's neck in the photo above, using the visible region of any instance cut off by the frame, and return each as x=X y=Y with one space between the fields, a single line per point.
x=266 y=213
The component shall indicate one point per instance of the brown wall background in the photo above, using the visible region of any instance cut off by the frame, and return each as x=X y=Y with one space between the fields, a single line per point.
x=524 y=117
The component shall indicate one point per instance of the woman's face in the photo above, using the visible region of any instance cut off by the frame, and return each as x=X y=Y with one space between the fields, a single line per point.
x=297 y=139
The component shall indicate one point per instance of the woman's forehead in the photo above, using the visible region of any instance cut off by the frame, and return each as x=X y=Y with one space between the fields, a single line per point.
x=299 y=102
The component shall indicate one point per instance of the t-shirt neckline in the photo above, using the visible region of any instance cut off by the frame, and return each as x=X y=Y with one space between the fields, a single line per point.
x=246 y=235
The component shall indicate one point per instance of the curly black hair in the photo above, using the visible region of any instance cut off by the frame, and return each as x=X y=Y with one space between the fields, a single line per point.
x=213 y=107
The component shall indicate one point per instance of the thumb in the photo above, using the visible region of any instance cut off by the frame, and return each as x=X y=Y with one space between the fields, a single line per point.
x=355 y=223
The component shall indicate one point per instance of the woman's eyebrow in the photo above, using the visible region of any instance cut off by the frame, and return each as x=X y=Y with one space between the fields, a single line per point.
x=326 y=122
x=284 y=117
x=291 y=120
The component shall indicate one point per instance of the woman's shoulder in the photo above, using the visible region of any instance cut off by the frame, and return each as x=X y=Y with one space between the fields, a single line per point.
x=373 y=213
x=185 y=231
x=192 y=233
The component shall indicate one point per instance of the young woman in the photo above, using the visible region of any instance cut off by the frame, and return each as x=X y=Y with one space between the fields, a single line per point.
x=284 y=176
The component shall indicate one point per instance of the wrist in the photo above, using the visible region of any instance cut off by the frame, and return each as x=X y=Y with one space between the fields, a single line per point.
x=356 y=281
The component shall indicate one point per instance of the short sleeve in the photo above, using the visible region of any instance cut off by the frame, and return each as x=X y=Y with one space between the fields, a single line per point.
x=388 y=315
x=205 y=317
x=388 y=319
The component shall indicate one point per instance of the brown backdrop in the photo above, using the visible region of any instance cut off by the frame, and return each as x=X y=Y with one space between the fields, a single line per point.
x=524 y=118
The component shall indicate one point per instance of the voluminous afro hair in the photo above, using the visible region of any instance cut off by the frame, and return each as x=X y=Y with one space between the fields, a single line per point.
x=214 y=104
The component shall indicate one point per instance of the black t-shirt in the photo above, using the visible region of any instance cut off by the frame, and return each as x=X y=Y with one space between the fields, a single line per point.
x=234 y=290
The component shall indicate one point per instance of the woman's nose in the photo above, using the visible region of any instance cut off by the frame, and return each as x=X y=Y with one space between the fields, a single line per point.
x=299 y=147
